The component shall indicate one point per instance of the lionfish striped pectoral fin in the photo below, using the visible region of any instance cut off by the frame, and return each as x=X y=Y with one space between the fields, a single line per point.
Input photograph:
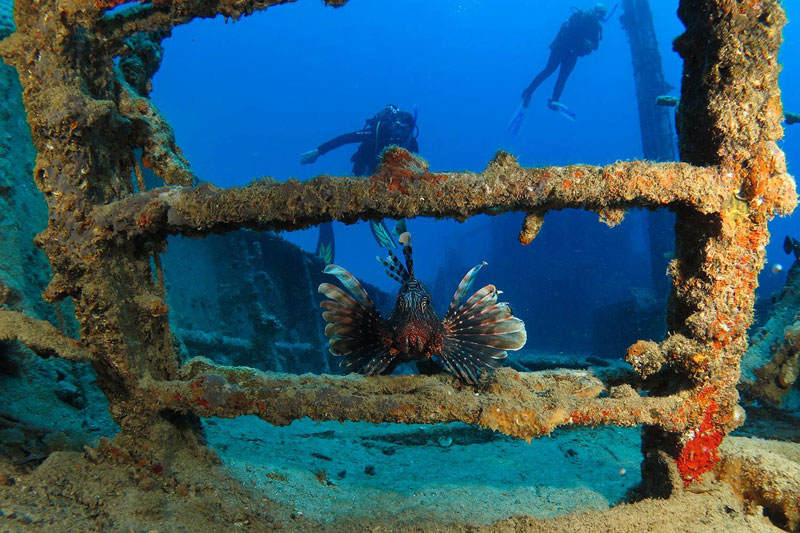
x=355 y=328
x=479 y=332
x=464 y=286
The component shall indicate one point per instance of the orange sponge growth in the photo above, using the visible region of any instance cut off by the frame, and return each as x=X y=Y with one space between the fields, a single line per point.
x=399 y=168
x=700 y=454
x=109 y=4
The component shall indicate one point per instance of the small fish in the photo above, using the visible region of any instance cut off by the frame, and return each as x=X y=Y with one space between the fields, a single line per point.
x=469 y=341
x=667 y=100
x=791 y=118
x=791 y=245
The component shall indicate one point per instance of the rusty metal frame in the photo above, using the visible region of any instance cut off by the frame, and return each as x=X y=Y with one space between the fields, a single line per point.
x=86 y=121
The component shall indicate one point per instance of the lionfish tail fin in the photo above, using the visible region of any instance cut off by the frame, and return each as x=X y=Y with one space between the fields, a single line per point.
x=479 y=332
x=355 y=328
x=405 y=240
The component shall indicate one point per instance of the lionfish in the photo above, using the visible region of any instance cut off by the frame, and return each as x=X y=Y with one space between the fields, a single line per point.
x=471 y=339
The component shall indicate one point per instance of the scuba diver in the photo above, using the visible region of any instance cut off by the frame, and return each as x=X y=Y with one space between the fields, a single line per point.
x=390 y=126
x=579 y=36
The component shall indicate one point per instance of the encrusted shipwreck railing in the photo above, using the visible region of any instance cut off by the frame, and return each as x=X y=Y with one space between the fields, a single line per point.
x=87 y=120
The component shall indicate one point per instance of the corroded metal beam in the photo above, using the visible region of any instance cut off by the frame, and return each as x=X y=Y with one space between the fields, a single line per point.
x=521 y=405
x=163 y=15
x=729 y=116
x=404 y=187
x=40 y=336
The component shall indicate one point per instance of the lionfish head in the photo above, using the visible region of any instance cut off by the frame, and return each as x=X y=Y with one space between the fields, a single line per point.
x=414 y=303
x=415 y=319
x=413 y=299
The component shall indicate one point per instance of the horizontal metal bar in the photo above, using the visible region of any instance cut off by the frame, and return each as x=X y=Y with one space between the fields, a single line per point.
x=404 y=187
x=522 y=405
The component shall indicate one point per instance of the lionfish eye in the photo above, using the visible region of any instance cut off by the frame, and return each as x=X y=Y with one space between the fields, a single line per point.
x=425 y=301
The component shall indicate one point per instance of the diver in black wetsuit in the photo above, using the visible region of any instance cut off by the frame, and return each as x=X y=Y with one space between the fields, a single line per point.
x=391 y=126
x=580 y=35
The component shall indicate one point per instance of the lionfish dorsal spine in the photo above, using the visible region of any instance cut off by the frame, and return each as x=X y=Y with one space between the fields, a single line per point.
x=394 y=268
x=390 y=270
x=405 y=240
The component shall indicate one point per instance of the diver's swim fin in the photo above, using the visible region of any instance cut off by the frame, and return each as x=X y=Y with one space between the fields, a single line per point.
x=400 y=227
x=326 y=246
x=562 y=110
x=608 y=17
x=382 y=234
x=516 y=122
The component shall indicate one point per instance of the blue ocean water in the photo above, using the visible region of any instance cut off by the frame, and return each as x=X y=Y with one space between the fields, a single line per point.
x=247 y=98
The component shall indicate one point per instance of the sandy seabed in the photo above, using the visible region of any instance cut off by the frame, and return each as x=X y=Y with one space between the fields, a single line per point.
x=360 y=477
x=408 y=473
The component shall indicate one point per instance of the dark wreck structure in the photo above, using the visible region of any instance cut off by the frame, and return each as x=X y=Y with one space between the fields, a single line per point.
x=84 y=74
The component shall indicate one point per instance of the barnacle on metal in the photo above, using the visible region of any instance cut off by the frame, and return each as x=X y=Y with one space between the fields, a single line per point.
x=85 y=124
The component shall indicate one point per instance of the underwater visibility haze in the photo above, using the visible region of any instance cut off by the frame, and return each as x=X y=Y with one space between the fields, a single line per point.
x=465 y=83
